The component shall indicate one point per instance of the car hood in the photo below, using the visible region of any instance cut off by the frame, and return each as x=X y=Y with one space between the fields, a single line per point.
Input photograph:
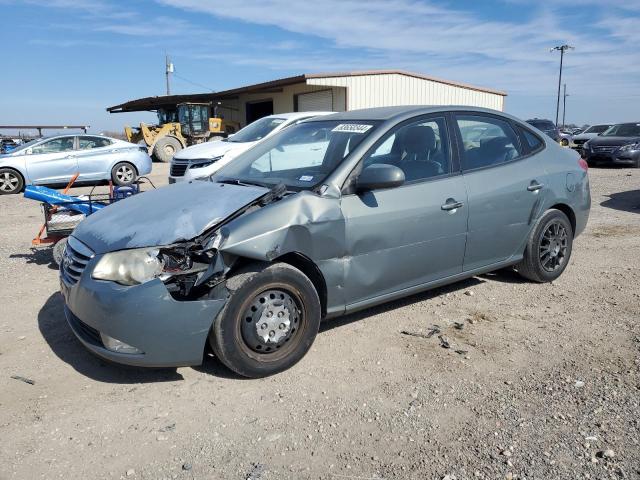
x=604 y=141
x=164 y=216
x=210 y=150
x=585 y=136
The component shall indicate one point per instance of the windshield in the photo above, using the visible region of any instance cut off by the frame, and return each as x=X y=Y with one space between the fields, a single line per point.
x=623 y=130
x=256 y=130
x=24 y=146
x=596 y=129
x=301 y=156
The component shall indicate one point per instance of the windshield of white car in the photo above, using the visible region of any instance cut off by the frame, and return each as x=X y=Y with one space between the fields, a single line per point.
x=596 y=129
x=256 y=130
x=24 y=146
x=300 y=156
x=623 y=130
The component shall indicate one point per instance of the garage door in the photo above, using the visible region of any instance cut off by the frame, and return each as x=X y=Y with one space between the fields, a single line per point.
x=316 y=101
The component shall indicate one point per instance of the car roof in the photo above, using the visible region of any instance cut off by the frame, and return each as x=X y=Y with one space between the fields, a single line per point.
x=401 y=111
x=294 y=115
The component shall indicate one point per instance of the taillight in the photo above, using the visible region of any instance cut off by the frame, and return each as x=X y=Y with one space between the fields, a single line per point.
x=583 y=164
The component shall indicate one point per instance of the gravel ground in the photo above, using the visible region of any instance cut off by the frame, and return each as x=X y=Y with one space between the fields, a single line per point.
x=539 y=382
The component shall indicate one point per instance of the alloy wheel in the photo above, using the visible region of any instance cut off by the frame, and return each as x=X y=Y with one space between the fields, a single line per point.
x=553 y=246
x=125 y=174
x=9 y=182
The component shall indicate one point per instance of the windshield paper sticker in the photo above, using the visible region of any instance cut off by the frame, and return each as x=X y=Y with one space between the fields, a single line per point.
x=352 y=128
x=306 y=178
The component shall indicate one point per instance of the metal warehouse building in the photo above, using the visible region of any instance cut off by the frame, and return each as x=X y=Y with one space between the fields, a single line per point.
x=330 y=92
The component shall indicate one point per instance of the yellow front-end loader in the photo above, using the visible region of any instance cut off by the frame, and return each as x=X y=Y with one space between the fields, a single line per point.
x=188 y=124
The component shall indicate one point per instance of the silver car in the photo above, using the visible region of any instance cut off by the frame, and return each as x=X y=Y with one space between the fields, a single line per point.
x=333 y=215
x=55 y=160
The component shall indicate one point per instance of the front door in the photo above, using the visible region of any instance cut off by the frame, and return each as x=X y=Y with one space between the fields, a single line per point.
x=52 y=161
x=504 y=185
x=413 y=234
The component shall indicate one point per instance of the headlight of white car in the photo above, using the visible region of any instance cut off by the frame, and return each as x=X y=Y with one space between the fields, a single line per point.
x=130 y=267
x=204 y=163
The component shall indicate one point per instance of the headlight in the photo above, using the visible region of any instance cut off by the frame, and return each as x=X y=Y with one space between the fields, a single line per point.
x=205 y=163
x=631 y=146
x=130 y=267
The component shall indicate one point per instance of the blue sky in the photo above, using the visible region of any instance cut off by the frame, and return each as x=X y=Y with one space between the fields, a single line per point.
x=66 y=60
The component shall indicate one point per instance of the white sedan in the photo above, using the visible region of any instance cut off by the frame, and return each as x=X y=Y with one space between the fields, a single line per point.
x=55 y=160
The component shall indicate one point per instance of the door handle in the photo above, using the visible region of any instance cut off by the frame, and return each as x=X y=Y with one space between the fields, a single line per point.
x=451 y=204
x=535 y=186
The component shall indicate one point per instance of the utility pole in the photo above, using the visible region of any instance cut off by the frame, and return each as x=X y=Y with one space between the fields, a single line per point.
x=562 y=49
x=564 y=106
x=168 y=72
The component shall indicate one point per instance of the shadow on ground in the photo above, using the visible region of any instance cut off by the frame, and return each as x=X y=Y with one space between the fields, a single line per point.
x=38 y=256
x=626 y=201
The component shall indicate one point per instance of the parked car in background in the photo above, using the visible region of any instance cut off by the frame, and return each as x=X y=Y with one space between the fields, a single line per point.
x=401 y=199
x=204 y=159
x=547 y=127
x=565 y=138
x=56 y=159
x=618 y=145
x=8 y=145
x=578 y=140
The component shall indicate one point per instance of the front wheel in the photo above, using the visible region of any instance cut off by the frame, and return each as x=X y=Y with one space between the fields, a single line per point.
x=269 y=321
x=165 y=149
x=10 y=181
x=548 y=249
x=564 y=142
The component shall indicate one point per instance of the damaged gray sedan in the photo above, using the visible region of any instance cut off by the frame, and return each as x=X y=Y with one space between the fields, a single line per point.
x=330 y=216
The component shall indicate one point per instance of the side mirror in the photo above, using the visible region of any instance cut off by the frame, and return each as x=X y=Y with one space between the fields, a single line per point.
x=379 y=175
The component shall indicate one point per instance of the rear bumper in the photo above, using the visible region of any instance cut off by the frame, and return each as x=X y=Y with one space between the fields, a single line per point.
x=170 y=333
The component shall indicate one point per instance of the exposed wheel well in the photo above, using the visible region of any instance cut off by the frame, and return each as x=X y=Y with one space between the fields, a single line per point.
x=311 y=270
x=568 y=211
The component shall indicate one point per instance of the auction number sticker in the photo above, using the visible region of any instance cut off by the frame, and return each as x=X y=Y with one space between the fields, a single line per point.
x=352 y=128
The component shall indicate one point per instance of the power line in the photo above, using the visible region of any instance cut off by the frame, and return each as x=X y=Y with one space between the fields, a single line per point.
x=192 y=82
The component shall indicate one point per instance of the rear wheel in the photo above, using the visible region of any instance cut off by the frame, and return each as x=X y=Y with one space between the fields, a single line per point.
x=10 y=181
x=123 y=174
x=269 y=321
x=564 y=142
x=166 y=148
x=548 y=249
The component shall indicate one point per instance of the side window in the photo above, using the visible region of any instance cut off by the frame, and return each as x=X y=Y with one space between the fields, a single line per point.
x=487 y=141
x=420 y=149
x=56 y=145
x=87 y=143
x=531 y=140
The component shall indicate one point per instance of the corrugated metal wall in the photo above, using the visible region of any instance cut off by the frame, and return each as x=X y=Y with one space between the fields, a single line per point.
x=365 y=91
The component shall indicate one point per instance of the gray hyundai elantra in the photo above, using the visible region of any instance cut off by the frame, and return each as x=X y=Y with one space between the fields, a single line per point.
x=330 y=216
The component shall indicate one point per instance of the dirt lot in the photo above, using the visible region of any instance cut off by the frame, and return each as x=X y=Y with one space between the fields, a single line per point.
x=540 y=382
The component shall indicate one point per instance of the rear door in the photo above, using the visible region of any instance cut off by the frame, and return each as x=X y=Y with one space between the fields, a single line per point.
x=402 y=237
x=95 y=156
x=505 y=186
x=53 y=161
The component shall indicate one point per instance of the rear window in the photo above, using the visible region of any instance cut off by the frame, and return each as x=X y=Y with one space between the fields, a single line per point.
x=531 y=141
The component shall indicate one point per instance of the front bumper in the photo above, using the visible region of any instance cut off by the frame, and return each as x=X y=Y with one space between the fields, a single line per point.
x=170 y=333
x=614 y=158
x=176 y=179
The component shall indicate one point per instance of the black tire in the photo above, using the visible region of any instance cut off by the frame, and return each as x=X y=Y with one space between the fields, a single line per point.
x=10 y=181
x=123 y=174
x=546 y=254
x=564 y=142
x=166 y=148
x=256 y=292
x=58 y=251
